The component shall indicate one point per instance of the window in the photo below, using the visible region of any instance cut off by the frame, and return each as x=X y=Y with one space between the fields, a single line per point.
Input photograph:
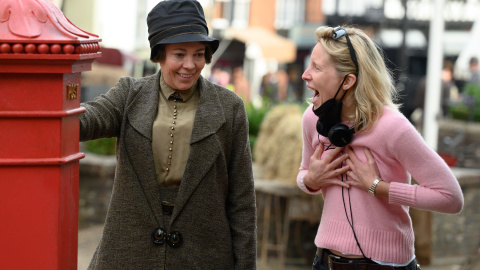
x=289 y=13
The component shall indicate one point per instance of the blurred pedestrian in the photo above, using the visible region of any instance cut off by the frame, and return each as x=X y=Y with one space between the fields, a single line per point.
x=240 y=84
x=183 y=195
x=471 y=90
x=360 y=153
x=269 y=88
x=474 y=70
x=448 y=92
x=220 y=76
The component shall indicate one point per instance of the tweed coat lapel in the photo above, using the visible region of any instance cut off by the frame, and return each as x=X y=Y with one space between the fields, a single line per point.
x=141 y=113
x=204 y=148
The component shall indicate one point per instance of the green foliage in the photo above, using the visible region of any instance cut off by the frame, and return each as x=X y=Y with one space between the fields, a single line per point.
x=469 y=109
x=464 y=112
x=472 y=90
x=255 y=118
x=103 y=146
x=252 y=139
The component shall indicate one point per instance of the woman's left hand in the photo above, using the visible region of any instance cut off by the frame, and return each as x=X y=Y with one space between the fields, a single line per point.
x=361 y=175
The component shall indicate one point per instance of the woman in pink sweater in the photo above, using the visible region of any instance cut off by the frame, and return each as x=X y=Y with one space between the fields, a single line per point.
x=360 y=153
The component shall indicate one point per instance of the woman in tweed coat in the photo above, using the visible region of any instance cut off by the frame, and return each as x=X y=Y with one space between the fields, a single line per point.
x=209 y=220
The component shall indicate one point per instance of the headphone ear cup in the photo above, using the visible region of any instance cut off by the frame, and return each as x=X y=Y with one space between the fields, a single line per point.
x=340 y=135
x=319 y=127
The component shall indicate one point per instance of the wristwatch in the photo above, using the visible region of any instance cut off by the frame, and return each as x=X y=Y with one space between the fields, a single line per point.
x=374 y=186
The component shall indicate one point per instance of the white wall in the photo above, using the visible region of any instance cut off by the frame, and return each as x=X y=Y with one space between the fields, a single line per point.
x=120 y=24
x=115 y=21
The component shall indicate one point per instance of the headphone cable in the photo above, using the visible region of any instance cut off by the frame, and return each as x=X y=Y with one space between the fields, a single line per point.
x=350 y=220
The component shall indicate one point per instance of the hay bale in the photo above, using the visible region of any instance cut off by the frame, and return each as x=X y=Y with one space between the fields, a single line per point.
x=278 y=149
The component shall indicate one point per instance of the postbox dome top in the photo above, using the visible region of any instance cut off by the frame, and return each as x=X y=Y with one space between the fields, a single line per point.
x=31 y=23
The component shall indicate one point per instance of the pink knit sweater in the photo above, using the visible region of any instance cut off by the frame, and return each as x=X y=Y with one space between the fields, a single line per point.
x=383 y=225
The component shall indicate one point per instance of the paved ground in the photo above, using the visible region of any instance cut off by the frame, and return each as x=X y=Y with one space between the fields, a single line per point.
x=87 y=242
x=88 y=239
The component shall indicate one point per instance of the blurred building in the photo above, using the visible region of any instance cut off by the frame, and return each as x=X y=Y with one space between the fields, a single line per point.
x=401 y=27
x=250 y=31
x=263 y=37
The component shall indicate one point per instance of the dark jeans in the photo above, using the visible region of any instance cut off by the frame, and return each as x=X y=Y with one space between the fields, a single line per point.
x=319 y=265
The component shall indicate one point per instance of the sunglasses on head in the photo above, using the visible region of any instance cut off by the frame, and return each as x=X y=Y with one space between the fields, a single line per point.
x=339 y=32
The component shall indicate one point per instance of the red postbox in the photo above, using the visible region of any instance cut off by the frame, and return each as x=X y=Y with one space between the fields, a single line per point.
x=42 y=55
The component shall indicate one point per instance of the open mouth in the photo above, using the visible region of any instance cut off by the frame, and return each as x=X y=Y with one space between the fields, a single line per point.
x=316 y=98
x=315 y=92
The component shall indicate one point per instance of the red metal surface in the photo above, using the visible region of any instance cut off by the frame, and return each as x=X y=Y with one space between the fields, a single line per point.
x=39 y=21
x=41 y=56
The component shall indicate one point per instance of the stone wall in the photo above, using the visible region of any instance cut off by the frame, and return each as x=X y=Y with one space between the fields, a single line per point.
x=457 y=237
x=461 y=140
x=95 y=188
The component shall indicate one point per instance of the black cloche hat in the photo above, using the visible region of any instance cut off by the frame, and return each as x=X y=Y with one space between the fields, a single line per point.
x=177 y=21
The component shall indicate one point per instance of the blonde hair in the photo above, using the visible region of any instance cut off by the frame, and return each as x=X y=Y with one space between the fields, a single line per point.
x=374 y=87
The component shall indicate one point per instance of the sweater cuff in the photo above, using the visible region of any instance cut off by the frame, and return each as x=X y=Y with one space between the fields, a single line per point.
x=305 y=189
x=402 y=194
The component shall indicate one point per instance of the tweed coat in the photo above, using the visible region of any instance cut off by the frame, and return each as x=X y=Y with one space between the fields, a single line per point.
x=215 y=205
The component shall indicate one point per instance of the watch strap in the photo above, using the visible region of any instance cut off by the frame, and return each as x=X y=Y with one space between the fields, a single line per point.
x=374 y=186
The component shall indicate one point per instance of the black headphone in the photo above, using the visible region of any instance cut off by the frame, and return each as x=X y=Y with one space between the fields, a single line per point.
x=339 y=135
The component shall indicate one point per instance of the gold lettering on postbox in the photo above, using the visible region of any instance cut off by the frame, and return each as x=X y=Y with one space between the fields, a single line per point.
x=72 y=91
